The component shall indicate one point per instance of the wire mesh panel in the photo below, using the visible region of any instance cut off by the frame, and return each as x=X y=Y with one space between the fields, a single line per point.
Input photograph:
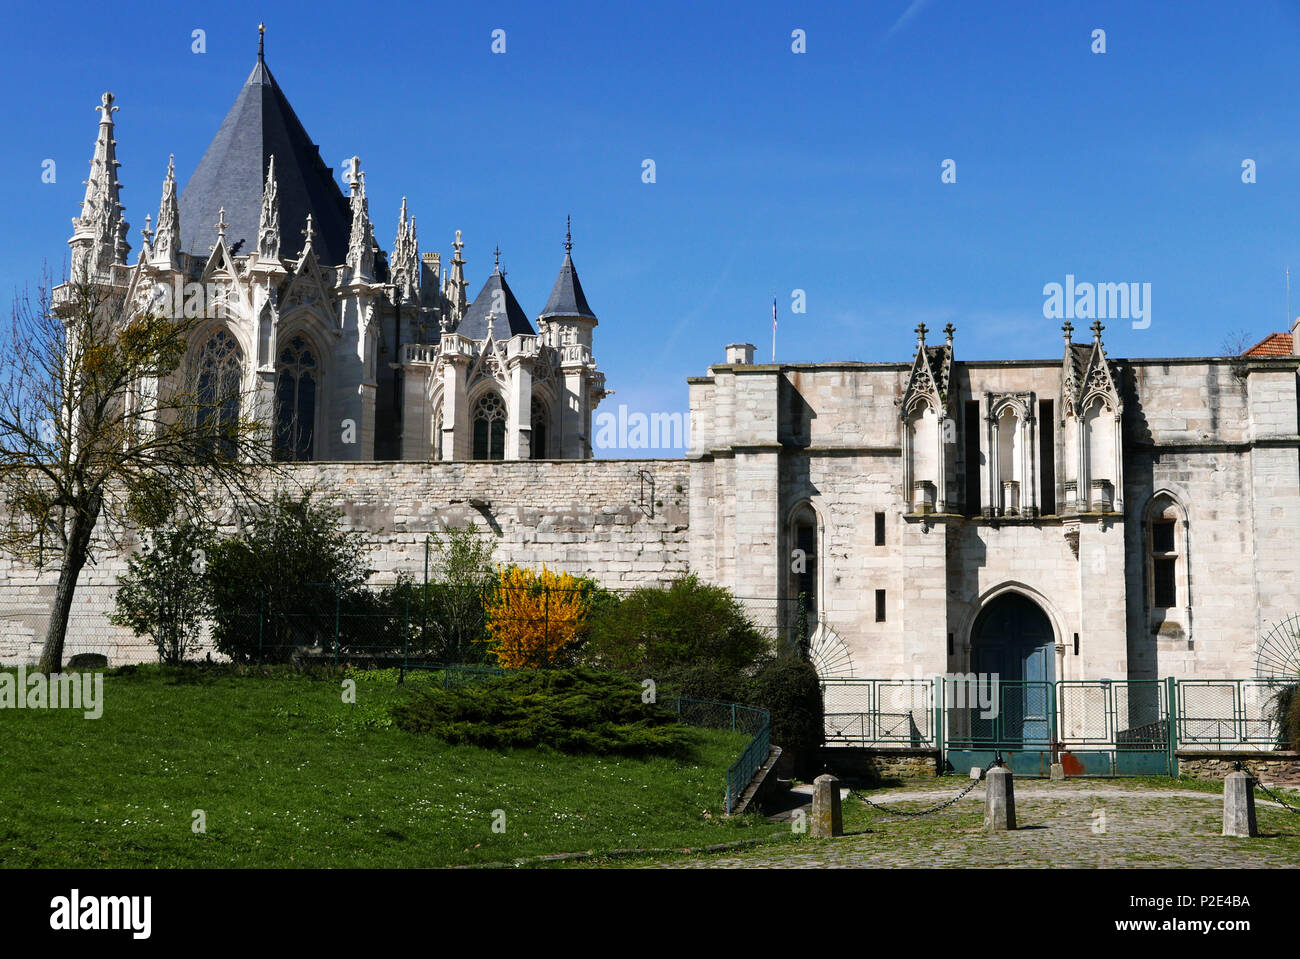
x=1225 y=713
x=867 y=712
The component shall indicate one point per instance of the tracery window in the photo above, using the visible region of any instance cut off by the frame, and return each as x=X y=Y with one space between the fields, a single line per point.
x=490 y=427
x=219 y=365
x=295 y=401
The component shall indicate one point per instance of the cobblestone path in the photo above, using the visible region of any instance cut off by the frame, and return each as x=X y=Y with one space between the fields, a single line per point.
x=1080 y=824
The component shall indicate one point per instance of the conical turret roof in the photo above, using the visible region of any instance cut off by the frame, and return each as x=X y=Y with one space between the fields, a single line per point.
x=495 y=293
x=567 y=298
x=233 y=170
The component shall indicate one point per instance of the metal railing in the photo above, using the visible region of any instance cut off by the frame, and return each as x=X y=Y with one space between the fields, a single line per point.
x=741 y=719
x=1127 y=719
x=1217 y=714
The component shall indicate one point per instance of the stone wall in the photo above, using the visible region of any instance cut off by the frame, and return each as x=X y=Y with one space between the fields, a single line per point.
x=621 y=522
x=1275 y=767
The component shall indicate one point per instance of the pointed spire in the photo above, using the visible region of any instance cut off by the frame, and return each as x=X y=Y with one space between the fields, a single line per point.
x=361 y=242
x=308 y=233
x=567 y=299
x=99 y=234
x=406 y=259
x=169 y=221
x=496 y=259
x=268 y=225
x=261 y=36
x=454 y=290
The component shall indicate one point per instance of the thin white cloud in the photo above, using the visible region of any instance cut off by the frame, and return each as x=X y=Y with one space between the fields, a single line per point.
x=913 y=8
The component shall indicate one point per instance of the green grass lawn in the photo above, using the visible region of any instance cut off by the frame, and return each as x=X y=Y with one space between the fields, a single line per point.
x=288 y=774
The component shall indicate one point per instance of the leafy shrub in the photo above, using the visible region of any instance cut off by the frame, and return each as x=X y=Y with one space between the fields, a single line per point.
x=791 y=691
x=281 y=583
x=662 y=633
x=163 y=594
x=536 y=618
x=571 y=710
x=1286 y=714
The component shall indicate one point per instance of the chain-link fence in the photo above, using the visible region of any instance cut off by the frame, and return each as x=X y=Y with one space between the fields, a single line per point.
x=756 y=723
x=1230 y=713
x=872 y=712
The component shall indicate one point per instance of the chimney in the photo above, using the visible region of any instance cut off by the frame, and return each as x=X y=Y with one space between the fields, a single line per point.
x=740 y=354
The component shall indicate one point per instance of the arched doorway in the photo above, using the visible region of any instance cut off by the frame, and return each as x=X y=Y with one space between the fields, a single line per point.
x=1013 y=640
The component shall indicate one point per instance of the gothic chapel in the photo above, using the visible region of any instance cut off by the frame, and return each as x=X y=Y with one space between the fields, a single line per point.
x=351 y=353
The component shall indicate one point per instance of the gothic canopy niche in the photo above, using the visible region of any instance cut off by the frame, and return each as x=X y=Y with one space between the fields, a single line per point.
x=923 y=408
x=1092 y=415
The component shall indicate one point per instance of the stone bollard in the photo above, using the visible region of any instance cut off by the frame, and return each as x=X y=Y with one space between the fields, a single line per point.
x=999 y=799
x=827 y=818
x=1239 y=805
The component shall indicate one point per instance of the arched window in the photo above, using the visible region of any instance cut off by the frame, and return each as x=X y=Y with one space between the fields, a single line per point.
x=1010 y=459
x=490 y=427
x=437 y=433
x=1166 y=555
x=295 y=401
x=803 y=567
x=540 y=433
x=220 y=365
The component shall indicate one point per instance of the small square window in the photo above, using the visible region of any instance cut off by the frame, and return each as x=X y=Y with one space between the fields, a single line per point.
x=1162 y=536
x=880 y=529
x=880 y=605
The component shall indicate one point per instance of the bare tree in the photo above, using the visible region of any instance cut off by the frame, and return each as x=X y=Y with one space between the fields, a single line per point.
x=105 y=427
x=1236 y=342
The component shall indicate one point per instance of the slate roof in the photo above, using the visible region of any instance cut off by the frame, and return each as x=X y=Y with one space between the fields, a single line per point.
x=474 y=323
x=233 y=170
x=1275 y=344
x=567 y=298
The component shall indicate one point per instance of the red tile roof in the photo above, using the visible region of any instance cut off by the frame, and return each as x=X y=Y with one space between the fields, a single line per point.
x=1275 y=344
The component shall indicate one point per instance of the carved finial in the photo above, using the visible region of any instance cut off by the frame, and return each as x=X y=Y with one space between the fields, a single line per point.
x=1096 y=330
x=106 y=108
x=458 y=244
x=948 y=331
x=1067 y=328
x=261 y=33
x=221 y=223
x=491 y=319
x=496 y=259
x=568 y=234
x=308 y=232
x=353 y=176
x=921 y=330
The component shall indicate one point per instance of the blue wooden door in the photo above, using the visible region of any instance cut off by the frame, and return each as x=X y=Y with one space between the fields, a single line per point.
x=1013 y=640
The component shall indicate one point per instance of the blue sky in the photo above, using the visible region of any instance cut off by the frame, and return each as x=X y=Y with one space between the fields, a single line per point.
x=776 y=171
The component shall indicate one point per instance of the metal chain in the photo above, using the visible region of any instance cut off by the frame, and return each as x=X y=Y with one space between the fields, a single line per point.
x=1268 y=792
x=923 y=812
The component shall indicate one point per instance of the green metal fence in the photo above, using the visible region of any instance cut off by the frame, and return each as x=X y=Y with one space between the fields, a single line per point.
x=741 y=719
x=1216 y=714
x=876 y=712
x=1090 y=727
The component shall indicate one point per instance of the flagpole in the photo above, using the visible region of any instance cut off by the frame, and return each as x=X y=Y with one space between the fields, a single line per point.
x=774 y=328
